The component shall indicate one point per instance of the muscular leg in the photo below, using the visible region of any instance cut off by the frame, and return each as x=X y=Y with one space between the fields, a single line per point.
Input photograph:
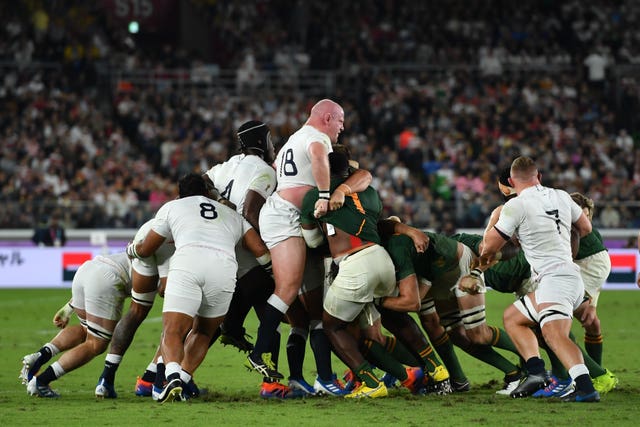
x=346 y=347
x=197 y=343
x=288 y=258
x=143 y=294
x=81 y=353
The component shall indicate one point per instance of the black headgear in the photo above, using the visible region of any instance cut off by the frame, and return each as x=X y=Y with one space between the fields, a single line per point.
x=254 y=135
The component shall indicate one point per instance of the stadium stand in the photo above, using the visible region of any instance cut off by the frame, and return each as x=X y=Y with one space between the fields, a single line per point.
x=97 y=123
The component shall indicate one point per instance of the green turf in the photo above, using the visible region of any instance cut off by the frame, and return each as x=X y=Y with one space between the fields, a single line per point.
x=233 y=398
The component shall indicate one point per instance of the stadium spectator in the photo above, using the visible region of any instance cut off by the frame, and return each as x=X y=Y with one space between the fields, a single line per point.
x=50 y=233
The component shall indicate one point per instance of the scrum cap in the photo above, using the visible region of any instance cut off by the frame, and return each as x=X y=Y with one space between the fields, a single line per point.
x=253 y=135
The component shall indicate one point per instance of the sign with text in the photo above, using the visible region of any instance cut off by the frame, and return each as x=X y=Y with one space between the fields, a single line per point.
x=45 y=267
x=50 y=267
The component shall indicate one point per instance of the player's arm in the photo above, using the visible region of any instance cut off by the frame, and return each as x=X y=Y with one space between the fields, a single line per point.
x=408 y=298
x=388 y=227
x=254 y=243
x=492 y=242
x=147 y=247
x=583 y=225
x=358 y=181
x=320 y=171
x=253 y=202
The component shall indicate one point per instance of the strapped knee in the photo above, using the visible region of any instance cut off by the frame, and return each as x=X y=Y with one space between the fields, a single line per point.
x=473 y=317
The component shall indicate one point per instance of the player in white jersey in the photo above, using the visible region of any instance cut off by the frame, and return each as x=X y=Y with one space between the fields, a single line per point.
x=541 y=218
x=202 y=272
x=98 y=291
x=247 y=180
x=146 y=275
x=301 y=164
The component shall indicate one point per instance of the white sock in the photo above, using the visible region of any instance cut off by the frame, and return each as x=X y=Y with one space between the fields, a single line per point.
x=172 y=368
x=114 y=359
x=57 y=369
x=52 y=348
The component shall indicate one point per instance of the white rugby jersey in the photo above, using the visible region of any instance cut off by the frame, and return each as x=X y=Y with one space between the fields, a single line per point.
x=293 y=163
x=541 y=218
x=120 y=264
x=167 y=245
x=240 y=174
x=198 y=220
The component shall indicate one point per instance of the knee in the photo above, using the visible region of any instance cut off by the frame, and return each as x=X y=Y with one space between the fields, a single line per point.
x=137 y=312
x=431 y=324
x=96 y=345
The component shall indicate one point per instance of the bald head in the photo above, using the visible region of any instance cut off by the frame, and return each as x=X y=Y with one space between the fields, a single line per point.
x=325 y=106
x=328 y=117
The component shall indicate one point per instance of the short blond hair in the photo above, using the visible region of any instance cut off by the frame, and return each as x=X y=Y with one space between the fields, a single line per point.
x=584 y=202
x=524 y=169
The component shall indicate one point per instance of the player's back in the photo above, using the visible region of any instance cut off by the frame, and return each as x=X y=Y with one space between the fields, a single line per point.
x=293 y=163
x=198 y=220
x=544 y=229
x=240 y=174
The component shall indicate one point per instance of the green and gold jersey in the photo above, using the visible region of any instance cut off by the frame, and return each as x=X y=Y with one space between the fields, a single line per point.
x=507 y=276
x=358 y=216
x=440 y=257
x=590 y=244
x=471 y=240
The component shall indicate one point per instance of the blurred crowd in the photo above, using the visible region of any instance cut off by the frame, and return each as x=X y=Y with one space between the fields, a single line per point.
x=480 y=84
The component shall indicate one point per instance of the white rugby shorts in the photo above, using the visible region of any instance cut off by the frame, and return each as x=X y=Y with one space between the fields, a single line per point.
x=594 y=270
x=279 y=220
x=99 y=290
x=201 y=281
x=362 y=276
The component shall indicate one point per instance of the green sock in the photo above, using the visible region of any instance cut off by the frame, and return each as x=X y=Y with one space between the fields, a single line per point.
x=487 y=354
x=593 y=345
x=557 y=368
x=379 y=356
x=365 y=373
x=501 y=340
x=595 y=370
x=430 y=358
x=444 y=347
x=400 y=352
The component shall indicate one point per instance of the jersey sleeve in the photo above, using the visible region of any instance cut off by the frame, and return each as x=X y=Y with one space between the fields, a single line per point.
x=211 y=173
x=510 y=217
x=264 y=182
x=161 y=221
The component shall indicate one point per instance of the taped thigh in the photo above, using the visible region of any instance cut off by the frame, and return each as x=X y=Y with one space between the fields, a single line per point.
x=525 y=306
x=98 y=331
x=427 y=306
x=144 y=299
x=554 y=312
x=473 y=317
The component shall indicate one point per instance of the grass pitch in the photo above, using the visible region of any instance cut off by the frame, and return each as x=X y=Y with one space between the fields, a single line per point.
x=233 y=391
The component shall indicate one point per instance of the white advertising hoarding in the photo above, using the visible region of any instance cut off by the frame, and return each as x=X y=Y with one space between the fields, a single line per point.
x=37 y=267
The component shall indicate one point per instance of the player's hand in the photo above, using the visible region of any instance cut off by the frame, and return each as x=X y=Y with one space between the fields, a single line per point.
x=62 y=316
x=321 y=208
x=588 y=315
x=471 y=284
x=131 y=250
x=638 y=281
x=420 y=240
x=337 y=200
